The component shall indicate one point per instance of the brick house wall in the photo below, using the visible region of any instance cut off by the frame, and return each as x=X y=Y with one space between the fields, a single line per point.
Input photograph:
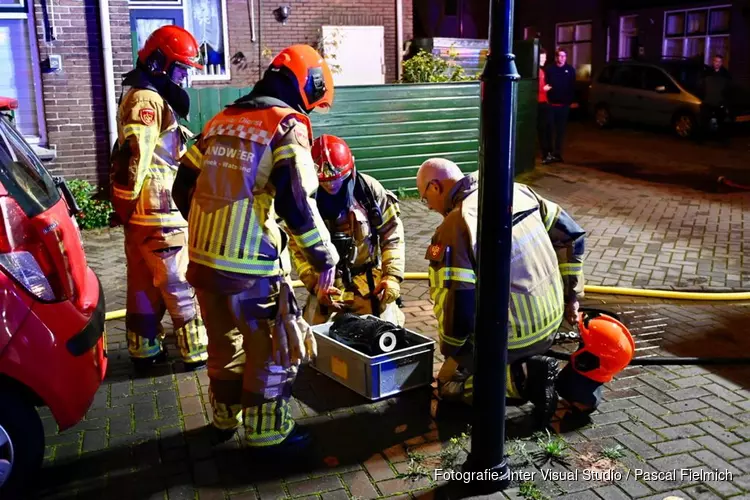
x=74 y=100
x=302 y=27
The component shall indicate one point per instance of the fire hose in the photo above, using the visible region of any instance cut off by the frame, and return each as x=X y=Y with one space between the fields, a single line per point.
x=604 y=290
x=610 y=290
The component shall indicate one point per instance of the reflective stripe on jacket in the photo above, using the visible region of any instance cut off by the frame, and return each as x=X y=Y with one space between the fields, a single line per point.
x=537 y=291
x=232 y=220
x=150 y=144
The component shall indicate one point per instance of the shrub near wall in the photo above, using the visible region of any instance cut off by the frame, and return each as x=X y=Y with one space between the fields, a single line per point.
x=94 y=212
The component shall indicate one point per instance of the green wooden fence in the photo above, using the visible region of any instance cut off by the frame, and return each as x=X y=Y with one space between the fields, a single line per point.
x=392 y=129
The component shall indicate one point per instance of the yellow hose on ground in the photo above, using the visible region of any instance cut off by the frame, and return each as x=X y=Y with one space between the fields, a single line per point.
x=605 y=290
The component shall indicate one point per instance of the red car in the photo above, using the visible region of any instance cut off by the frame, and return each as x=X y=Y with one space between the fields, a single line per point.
x=52 y=338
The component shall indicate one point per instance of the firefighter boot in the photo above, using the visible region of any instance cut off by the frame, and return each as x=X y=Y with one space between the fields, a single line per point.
x=539 y=388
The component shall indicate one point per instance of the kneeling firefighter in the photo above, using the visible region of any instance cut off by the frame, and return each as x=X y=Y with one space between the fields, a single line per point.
x=605 y=348
x=250 y=166
x=546 y=281
x=144 y=164
x=365 y=225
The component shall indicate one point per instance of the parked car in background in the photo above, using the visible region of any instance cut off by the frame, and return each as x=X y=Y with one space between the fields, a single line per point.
x=52 y=339
x=664 y=93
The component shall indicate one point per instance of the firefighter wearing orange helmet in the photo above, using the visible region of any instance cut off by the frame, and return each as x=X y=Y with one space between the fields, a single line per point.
x=366 y=229
x=250 y=167
x=144 y=165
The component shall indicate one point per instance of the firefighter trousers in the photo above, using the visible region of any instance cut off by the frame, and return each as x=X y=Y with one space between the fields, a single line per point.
x=456 y=376
x=157 y=261
x=245 y=386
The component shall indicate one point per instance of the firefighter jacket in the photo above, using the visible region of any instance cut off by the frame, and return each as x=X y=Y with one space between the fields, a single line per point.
x=145 y=160
x=378 y=242
x=254 y=164
x=546 y=270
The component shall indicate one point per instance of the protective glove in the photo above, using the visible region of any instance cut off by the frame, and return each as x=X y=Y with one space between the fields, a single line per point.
x=388 y=290
x=310 y=280
x=571 y=312
x=309 y=347
x=326 y=279
x=286 y=338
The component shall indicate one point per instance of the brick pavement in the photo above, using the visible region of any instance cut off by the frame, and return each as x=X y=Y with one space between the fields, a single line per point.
x=143 y=437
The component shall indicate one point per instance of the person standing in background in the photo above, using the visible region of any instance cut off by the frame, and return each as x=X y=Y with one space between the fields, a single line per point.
x=544 y=117
x=560 y=78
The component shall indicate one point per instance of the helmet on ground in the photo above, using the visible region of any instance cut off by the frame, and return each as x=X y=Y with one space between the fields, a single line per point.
x=333 y=158
x=305 y=66
x=169 y=47
x=607 y=347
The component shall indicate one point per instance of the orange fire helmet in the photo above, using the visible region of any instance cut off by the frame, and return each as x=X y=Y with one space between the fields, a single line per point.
x=312 y=74
x=607 y=348
x=176 y=44
x=333 y=158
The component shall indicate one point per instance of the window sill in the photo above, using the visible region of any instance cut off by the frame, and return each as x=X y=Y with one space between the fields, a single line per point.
x=44 y=154
x=210 y=78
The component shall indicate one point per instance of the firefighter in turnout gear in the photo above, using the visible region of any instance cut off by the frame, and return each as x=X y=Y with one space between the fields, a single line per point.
x=364 y=221
x=250 y=167
x=144 y=164
x=546 y=284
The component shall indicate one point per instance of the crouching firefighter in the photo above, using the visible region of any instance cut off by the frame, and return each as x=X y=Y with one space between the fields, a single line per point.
x=144 y=164
x=250 y=166
x=542 y=291
x=605 y=348
x=364 y=221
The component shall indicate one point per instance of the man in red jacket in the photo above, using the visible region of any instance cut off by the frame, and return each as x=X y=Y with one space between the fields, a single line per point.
x=544 y=116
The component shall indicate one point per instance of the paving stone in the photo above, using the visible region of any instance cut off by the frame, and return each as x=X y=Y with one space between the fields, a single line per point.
x=359 y=485
x=677 y=446
x=315 y=485
x=638 y=446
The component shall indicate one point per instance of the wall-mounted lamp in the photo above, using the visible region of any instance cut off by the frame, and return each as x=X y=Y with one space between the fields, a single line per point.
x=282 y=13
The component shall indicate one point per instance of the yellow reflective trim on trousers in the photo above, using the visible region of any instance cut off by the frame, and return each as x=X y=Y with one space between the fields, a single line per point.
x=390 y=254
x=124 y=194
x=571 y=269
x=258 y=434
x=308 y=239
x=283 y=153
x=388 y=215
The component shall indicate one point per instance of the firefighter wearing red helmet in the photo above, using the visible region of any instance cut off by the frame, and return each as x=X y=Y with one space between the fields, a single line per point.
x=364 y=221
x=250 y=167
x=144 y=165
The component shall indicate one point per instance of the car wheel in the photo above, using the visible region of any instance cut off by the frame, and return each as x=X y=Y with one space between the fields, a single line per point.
x=21 y=445
x=684 y=125
x=602 y=116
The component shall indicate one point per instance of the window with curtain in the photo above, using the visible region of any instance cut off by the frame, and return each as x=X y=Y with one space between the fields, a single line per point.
x=21 y=76
x=697 y=33
x=205 y=19
x=575 y=39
